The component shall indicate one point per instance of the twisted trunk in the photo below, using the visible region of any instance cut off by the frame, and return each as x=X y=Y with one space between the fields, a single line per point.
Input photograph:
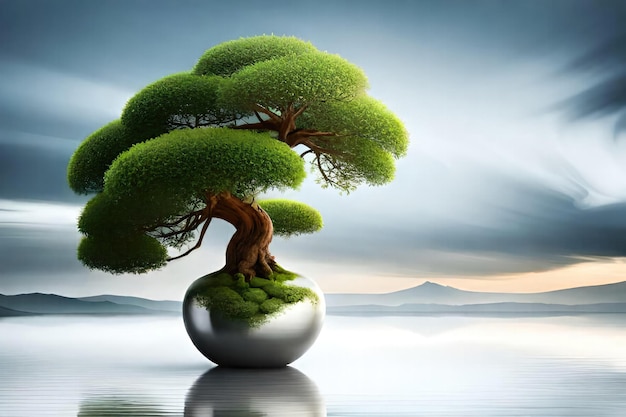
x=248 y=250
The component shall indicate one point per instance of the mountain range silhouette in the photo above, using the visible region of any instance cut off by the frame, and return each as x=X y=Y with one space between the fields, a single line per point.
x=432 y=293
x=37 y=303
x=426 y=298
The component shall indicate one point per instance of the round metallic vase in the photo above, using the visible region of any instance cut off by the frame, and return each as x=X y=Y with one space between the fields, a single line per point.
x=283 y=338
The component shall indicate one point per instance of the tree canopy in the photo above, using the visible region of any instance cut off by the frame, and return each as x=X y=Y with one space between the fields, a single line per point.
x=229 y=57
x=203 y=144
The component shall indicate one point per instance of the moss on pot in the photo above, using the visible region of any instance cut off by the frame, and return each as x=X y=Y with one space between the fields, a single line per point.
x=253 y=302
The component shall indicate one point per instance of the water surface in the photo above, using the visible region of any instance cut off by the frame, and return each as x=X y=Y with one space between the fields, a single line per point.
x=360 y=366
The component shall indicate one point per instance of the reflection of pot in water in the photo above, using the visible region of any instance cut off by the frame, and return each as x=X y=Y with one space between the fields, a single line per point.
x=254 y=392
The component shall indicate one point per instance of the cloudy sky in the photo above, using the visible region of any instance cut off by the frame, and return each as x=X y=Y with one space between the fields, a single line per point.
x=501 y=190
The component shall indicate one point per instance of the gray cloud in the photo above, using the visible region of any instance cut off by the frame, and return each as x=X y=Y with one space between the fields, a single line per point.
x=128 y=42
x=532 y=229
x=34 y=167
x=481 y=192
x=29 y=251
x=606 y=93
x=547 y=232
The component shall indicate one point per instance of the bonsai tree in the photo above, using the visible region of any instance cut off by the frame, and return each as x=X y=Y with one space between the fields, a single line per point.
x=204 y=144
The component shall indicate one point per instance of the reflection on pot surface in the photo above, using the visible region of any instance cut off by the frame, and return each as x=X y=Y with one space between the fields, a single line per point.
x=280 y=339
x=254 y=392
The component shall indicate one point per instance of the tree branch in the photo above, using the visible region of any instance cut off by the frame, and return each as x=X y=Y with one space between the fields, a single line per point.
x=329 y=173
x=271 y=114
x=198 y=243
x=300 y=136
x=300 y=110
x=179 y=125
x=319 y=149
x=306 y=152
x=189 y=227
x=264 y=125
x=185 y=217
x=319 y=166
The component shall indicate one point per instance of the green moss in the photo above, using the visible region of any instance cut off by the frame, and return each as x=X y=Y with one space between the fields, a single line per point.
x=255 y=295
x=275 y=290
x=253 y=302
x=229 y=302
x=272 y=305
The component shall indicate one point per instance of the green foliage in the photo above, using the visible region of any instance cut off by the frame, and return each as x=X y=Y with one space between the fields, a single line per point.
x=251 y=302
x=353 y=161
x=190 y=135
x=229 y=57
x=85 y=172
x=136 y=253
x=364 y=117
x=173 y=102
x=102 y=216
x=291 y=218
x=368 y=137
x=113 y=242
x=179 y=165
x=112 y=218
x=294 y=80
x=162 y=178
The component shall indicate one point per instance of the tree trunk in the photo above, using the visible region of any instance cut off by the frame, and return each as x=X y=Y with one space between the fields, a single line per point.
x=248 y=250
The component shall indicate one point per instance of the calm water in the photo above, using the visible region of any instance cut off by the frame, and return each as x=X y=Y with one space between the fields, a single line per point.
x=360 y=366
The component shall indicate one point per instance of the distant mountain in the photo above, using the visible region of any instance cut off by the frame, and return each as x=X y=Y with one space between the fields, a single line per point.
x=431 y=293
x=479 y=309
x=56 y=304
x=427 y=298
x=7 y=312
x=166 y=305
x=609 y=293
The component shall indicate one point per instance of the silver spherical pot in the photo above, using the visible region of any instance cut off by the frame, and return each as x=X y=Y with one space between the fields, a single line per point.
x=274 y=341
